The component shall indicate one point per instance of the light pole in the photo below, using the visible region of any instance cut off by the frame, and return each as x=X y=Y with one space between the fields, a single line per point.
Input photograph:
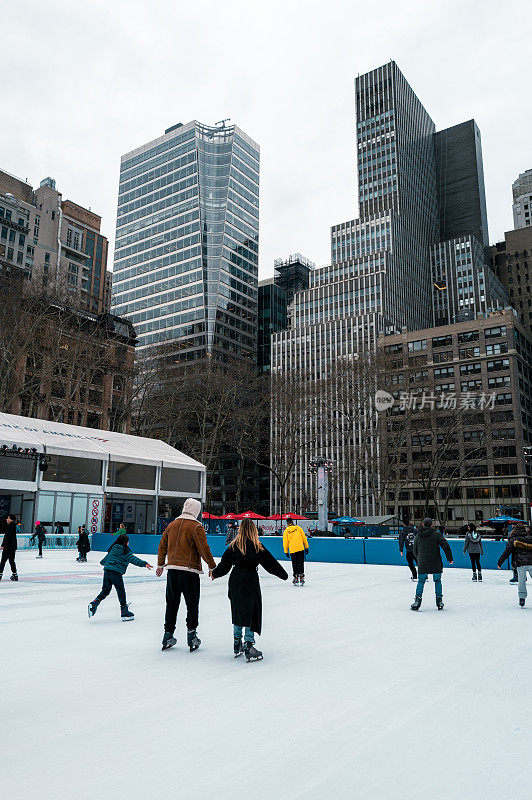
x=322 y=468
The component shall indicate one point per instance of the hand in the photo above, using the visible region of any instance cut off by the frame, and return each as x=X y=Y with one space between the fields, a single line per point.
x=211 y=576
x=401 y=552
x=148 y=566
x=306 y=552
x=450 y=562
x=498 y=567
x=159 y=571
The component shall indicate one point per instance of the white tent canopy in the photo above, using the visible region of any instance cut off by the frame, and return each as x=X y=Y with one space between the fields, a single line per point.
x=58 y=438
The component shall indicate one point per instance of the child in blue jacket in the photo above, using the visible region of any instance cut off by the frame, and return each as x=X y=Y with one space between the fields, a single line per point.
x=118 y=558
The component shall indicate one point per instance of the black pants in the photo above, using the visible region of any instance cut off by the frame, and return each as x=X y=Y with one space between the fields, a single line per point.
x=40 y=547
x=475 y=562
x=298 y=563
x=180 y=582
x=8 y=555
x=411 y=563
x=110 y=579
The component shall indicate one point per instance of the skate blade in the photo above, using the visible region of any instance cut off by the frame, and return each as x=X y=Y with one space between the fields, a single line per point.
x=192 y=649
x=127 y=619
x=237 y=655
x=168 y=646
x=249 y=660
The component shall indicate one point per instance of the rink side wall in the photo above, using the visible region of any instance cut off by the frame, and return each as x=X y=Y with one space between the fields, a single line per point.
x=330 y=550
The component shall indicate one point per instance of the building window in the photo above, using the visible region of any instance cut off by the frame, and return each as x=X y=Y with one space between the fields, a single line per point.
x=491 y=333
x=68 y=469
x=420 y=344
x=133 y=476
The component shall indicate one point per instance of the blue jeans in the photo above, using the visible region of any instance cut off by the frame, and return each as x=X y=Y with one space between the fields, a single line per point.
x=422 y=577
x=249 y=636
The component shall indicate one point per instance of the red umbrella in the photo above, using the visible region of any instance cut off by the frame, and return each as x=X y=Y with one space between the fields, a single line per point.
x=229 y=516
x=275 y=516
x=206 y=515
x=249 y=515
x=293 y=516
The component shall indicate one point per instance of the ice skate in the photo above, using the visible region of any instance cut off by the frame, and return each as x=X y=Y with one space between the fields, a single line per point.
x=296 y=580
x=474 y=576
x=513 y=580
x=522 y=602
x=416 y=605
x=412 y=578
x=480 y=576
x=169 y=641
x=251 y=652
x=93 y=607
x=301 y=580
x=14 y=577
x=193 y=641
x=237 y=647
x=126 y=614
x=439 y=603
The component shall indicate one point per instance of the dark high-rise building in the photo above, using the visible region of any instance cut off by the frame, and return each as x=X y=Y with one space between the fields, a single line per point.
x=389 y=270
x=187 y=237
x=460 y=183
x=293 y=274
x=273 y=317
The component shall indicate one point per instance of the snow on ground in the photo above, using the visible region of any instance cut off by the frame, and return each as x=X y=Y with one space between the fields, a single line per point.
x=357 y=696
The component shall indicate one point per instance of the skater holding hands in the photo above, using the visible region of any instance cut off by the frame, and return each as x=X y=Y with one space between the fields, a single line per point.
x=115 y=563
x=243 y=557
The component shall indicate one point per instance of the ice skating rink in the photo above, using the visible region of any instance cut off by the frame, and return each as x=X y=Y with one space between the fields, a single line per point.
x=357 y=696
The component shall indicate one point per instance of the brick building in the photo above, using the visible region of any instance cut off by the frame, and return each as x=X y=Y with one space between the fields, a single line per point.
x=481 y=447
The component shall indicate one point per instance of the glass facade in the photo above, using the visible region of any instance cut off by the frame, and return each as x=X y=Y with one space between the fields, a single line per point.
x=186 y=256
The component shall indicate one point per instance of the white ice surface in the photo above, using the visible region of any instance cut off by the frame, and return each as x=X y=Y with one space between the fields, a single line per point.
x=357 y=696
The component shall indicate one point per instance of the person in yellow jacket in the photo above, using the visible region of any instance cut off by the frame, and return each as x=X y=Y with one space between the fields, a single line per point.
x=295 y=545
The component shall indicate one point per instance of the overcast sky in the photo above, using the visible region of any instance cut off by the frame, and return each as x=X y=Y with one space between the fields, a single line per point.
x=84 y=83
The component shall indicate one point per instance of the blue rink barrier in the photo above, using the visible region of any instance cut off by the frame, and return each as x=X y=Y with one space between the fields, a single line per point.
x=330 y=550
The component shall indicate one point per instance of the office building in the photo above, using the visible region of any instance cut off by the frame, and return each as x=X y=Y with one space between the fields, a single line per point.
x=522 y=200
x=415 y=186
x=186 y=256
x=458 y=454
x=54 y=244
x=276 y=295
x=460 y=183
x=511 y=260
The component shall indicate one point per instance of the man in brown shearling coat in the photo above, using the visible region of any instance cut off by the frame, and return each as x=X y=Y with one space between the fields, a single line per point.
x=182 y=546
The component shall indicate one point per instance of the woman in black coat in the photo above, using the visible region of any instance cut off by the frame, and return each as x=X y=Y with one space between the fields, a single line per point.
x=244 y=555
x=83 y=544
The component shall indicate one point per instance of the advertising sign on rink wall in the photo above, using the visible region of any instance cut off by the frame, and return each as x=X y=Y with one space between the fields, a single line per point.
x=269 y=527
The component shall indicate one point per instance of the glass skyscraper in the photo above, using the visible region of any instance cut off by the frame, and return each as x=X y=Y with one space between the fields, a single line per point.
x=187 y=236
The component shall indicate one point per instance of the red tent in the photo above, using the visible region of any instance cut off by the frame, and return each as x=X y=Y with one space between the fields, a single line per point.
x=229 y=516
x=286 y=516
x=206 y=515
x=249 y=515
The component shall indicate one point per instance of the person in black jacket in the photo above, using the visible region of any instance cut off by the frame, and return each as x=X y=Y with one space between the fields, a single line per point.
x=244 y=555
x=406 y=542
x=83 y=544
x=429 y=561
x=9 y=547
x=40 y=535
x=520 y=545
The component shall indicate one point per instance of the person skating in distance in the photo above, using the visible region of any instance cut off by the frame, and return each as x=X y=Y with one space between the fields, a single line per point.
x=183 y=545
x=9 y=547
x=40 y=535
x=429 y=561
x=83 y=544
x=115 y=563
x=520 y=544
x=406 y=542
x=473 y=546
x=243 y=557
x=295 y=545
